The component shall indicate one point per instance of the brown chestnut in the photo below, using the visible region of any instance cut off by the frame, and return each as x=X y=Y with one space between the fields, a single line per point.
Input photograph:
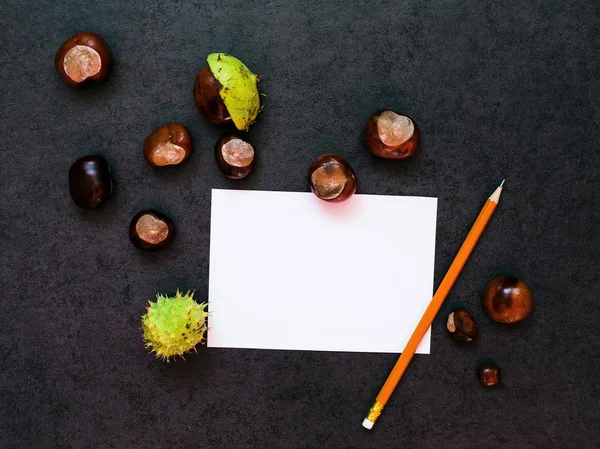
x=235 y=156
x=208 y=99
x=83 y=57
x=90 y=182
x=507 y=300
x=226 y=91
x=150 y=230
x=461 y=325
x=391 y=135
x=168 y=144
x=331 y=178
x=489 y=375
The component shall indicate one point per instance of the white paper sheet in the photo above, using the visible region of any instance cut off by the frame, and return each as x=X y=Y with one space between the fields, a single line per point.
x=289 y=271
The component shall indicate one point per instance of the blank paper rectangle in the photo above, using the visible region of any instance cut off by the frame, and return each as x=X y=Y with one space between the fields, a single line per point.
x=289 y=271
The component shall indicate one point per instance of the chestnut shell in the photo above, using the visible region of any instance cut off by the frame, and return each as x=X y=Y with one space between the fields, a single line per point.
x=208 y=99
x=489 y=375
x=150 y=230
x=373 y=140
x=90 y=182
x=173 y=135
x=507 y=300
x=325 y=177
x=91 y=40
x=229 y=169
x=462 y=326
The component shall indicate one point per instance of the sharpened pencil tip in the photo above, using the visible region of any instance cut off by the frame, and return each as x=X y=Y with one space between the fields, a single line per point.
x=502 y=183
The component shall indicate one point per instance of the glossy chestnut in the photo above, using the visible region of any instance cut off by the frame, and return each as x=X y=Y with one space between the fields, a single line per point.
x=227 y=91
x=462 y=326
x=235 y=156
x=84 y=57
x=90 y=182
x=331 y=178
x=489 y=375
x=507 y=300
x=168 y=144
x=151 y=230
x=208 y=99
x=391 y=135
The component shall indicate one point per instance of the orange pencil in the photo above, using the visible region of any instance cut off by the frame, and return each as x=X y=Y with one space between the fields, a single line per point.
x=433 y=308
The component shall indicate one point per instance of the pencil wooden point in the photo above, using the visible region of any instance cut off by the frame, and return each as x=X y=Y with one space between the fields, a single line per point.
x=495 y=197
x=433 y=307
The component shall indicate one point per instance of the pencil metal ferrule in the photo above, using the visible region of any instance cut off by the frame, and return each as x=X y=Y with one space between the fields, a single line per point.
x=373 y=414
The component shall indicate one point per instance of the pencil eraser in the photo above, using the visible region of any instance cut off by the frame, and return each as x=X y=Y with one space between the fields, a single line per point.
x=368 y=424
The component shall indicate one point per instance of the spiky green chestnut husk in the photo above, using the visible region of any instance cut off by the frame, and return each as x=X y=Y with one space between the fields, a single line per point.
x=174 y=325
x=239 y=92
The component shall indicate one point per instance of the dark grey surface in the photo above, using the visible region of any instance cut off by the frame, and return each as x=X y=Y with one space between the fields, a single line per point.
x=500 y=89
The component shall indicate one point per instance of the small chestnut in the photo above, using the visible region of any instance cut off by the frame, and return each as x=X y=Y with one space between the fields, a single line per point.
x=235 y=156
x=489 y=375
x=168 y=144
x=461 y=325
x=90 y=183
x=507 y=300
x=226 y=91
x=83 y=57
x=331 y=178
x=150 y=230
x=391 y=135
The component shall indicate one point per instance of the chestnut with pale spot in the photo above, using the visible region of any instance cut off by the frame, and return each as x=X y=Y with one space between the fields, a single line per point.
x=391 y=135
x=331 y=178
x=489 y=375
x=461 y=326
x=235 y=156
x=168 y=144
x=151 y=230
x=84 y=57
x=507 y=300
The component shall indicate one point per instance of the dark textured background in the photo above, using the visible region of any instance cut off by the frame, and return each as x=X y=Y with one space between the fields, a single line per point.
x=500 y=89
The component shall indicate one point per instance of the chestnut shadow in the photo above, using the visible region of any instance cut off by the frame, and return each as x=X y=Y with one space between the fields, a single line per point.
x=89 y=94
x=345 y=210
x=248 y=183
x=175 y=175
x=156 y=258
x=102 y=217
x=483 y=360
x=512 y=329
x=187 y=372
x=470 y=346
